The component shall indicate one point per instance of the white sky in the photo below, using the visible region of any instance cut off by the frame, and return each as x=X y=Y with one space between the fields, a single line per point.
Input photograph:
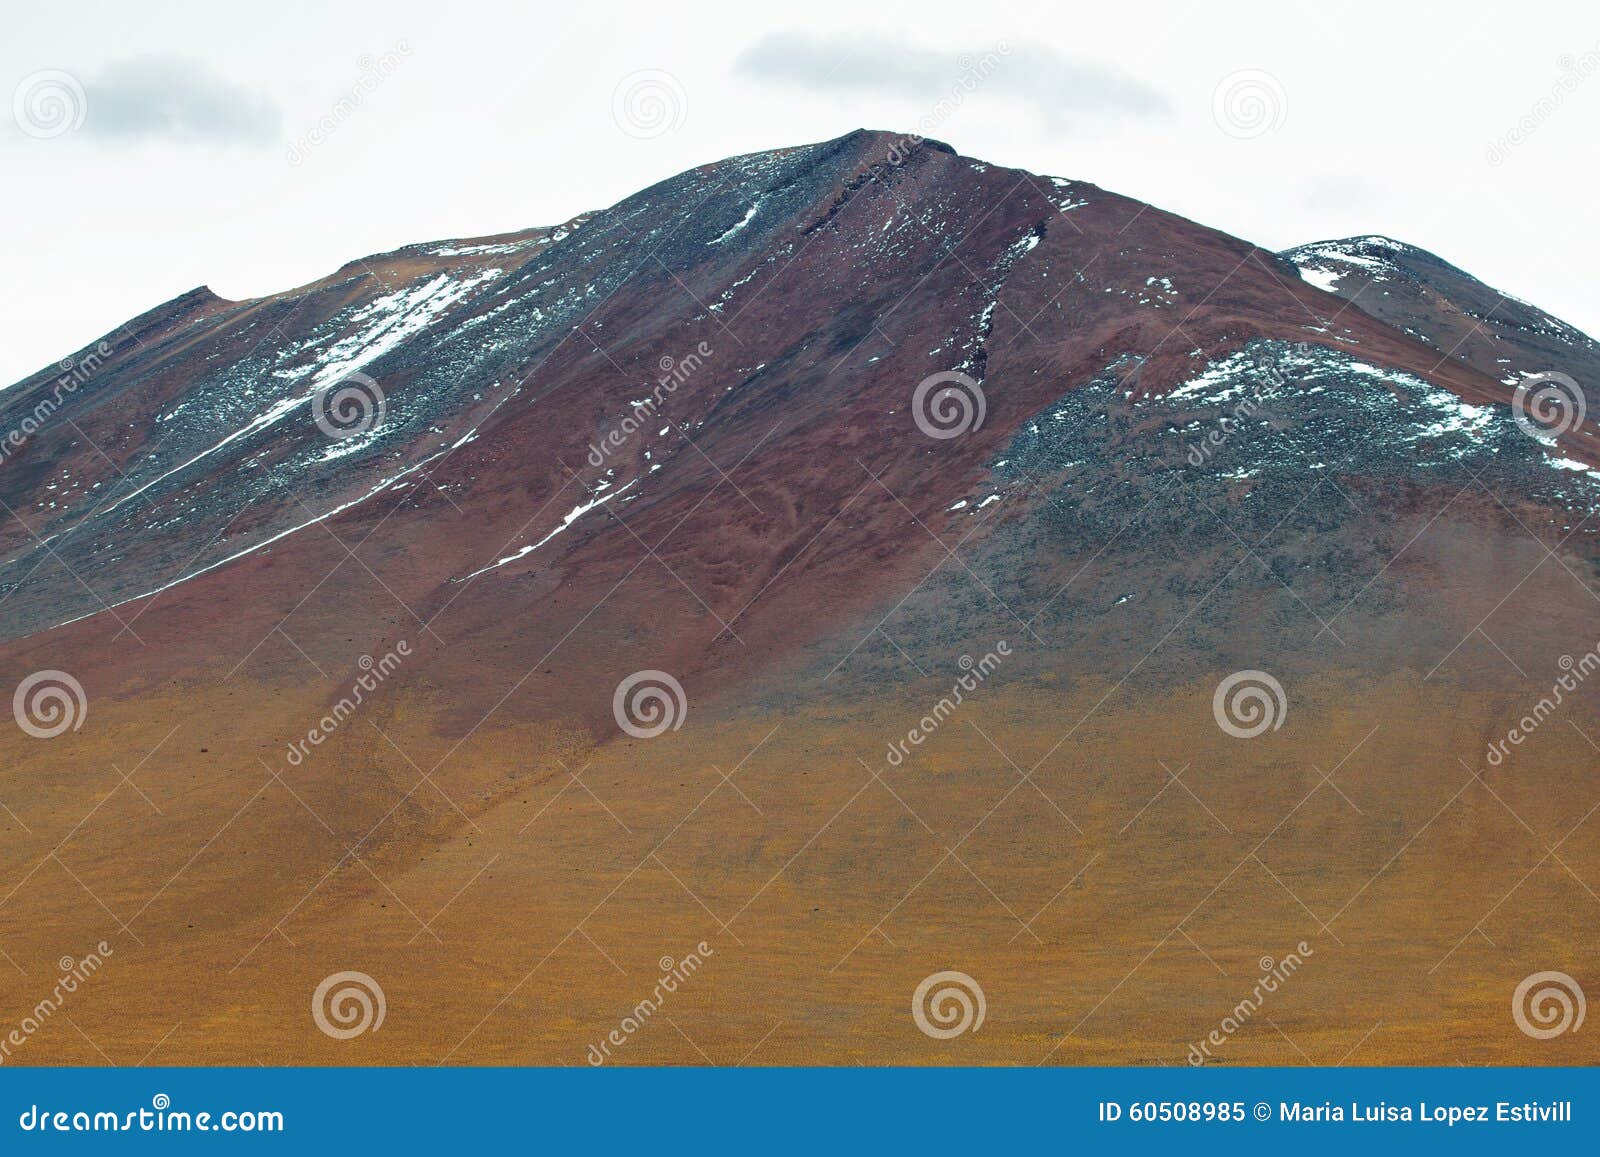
x=500 y=116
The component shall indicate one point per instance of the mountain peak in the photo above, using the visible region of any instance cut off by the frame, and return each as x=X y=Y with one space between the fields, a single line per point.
x=1426 y=297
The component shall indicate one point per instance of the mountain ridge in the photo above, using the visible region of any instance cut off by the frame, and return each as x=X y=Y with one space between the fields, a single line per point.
x=455 y=269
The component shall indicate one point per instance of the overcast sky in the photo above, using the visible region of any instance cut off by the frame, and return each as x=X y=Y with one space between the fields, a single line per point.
x=152 y=149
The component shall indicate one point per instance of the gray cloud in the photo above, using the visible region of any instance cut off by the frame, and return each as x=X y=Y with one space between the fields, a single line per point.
x=176 y=98
x=1059 y=88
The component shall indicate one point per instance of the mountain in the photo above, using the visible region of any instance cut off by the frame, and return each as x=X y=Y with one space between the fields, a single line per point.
x=1432 y=300
x=839 y=564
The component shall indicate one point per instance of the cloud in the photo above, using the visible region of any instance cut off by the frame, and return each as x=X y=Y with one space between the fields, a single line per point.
x=176 y=98
x=1059 y=88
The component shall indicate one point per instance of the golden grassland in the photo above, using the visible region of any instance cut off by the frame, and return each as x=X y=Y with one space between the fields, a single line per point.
x=513 y=913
